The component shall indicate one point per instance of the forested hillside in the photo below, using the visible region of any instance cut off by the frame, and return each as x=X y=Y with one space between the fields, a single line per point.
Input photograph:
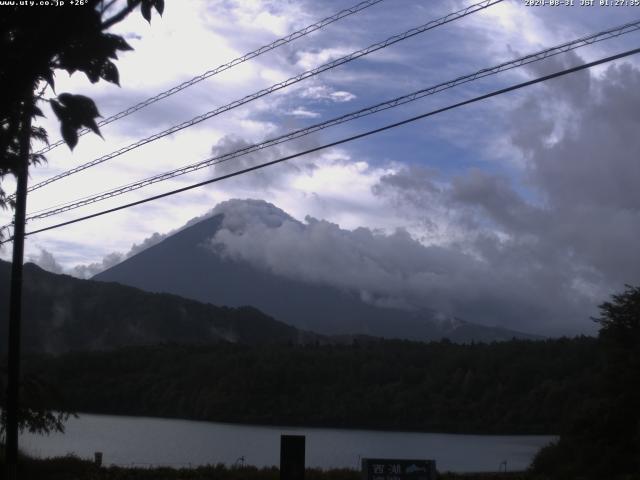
x=508 y=387
x=63 y=313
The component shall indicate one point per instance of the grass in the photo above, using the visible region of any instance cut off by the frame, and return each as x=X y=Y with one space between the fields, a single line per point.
x=74 y=468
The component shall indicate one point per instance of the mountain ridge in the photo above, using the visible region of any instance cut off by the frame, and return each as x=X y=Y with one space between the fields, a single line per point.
x=63 y=313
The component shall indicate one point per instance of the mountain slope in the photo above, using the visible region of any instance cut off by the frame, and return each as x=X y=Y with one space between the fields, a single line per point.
x=185 y=264
x=62 y=313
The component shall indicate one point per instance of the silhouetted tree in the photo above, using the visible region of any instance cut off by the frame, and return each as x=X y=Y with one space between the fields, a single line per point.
x=34 y=416
x=34 y=43
x=620 y=342
x=603 y=441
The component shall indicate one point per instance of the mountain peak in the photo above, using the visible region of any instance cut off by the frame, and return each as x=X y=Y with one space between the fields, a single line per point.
x=240 y=212
x=314 y=276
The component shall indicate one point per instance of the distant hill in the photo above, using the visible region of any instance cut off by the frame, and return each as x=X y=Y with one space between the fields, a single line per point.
x=63 y=313
x=185 y=265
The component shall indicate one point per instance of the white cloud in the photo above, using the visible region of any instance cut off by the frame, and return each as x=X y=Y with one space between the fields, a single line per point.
x=88 y=271
x=46 y=260
x=308 y=59
x=304 y=113
x=342 y=96
x=323 y=92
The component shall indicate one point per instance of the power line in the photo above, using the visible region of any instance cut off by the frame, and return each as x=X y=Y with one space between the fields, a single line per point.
x=221 y=68
x=534 y=57
x=278 y=86
x=340 y=142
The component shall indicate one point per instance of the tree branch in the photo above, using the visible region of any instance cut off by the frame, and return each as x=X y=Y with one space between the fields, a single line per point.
x=40 y=94
x=118 y=17
x=105 y=8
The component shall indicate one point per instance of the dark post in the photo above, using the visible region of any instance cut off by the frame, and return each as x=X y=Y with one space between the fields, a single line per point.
x=292 y=457
x=15 y=301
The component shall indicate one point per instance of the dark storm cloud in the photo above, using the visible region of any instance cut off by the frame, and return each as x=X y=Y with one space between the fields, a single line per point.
x=504 y=278
x=493 y=197
x=589 y=177
x=271 y=177
x=565 y=246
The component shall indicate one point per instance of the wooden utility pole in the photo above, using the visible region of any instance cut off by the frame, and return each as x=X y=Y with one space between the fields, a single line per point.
x=15 y=301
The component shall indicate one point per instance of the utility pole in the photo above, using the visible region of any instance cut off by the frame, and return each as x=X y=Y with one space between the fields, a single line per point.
x=15 y=301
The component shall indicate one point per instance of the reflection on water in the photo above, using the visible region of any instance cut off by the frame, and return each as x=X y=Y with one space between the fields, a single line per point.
x=153 y=441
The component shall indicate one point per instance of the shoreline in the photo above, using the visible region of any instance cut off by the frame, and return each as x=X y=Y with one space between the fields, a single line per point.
x=350 y=427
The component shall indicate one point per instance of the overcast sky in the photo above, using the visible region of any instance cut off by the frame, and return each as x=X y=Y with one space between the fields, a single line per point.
x=523 y=211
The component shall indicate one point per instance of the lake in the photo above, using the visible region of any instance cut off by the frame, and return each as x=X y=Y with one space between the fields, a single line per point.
x=143 y=441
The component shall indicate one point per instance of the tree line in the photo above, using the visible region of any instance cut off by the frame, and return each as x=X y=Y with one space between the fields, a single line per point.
x=509 y=387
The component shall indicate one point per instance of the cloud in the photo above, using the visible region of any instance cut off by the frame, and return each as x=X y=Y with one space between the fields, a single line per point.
x=303 y=112
x=265 y=178
x=588 y=175
x=379 y=266
x=564 y=229
x=146 y=243
x=494 y=199
x=114 y=258
x=46 y=261
x=309 y=59
x=391 y=269
x=323 y=92
x=88 y=271
x=498 y=267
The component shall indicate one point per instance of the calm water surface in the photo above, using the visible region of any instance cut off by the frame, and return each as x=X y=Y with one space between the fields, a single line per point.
x=153 y=441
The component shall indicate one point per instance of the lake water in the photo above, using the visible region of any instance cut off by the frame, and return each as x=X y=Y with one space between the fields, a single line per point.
x=152 y=441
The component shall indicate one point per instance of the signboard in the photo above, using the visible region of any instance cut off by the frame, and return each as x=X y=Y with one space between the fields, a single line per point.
x=390 y=469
